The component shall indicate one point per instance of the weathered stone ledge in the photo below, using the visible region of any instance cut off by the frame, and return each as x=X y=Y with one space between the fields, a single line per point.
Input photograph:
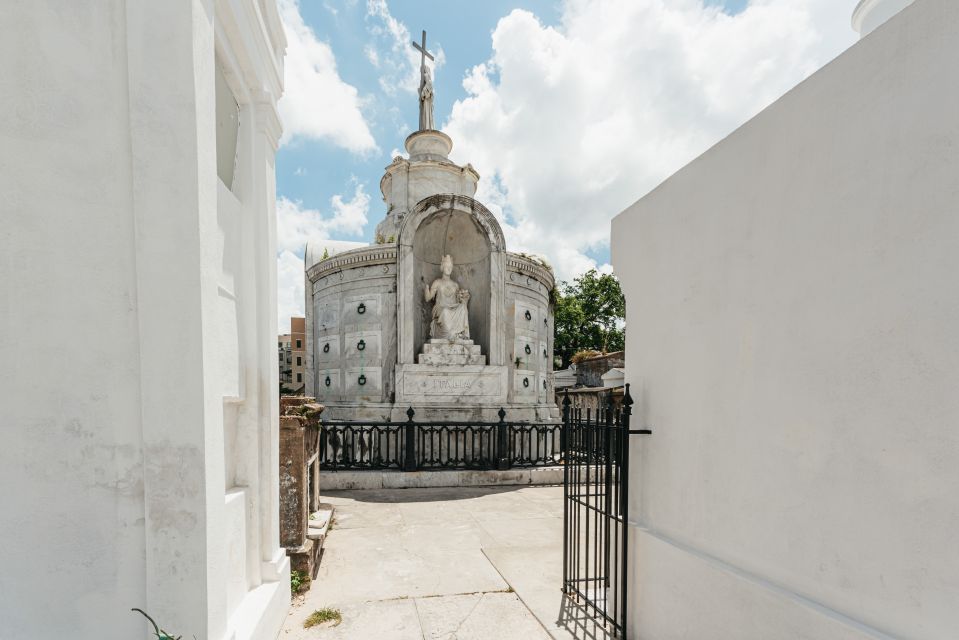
x=530 y=267
x=361 y=257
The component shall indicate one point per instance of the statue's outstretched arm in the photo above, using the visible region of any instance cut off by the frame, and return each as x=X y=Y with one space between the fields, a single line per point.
x=430 y=292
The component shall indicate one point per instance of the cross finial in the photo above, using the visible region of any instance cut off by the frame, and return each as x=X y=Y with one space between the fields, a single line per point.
x=424 y=54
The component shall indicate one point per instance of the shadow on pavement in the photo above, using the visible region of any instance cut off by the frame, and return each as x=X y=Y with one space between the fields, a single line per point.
x=575 y=619
x=438 y=494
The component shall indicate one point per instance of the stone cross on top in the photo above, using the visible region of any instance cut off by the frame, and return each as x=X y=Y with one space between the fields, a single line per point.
x=424 y=54
x=426 y=87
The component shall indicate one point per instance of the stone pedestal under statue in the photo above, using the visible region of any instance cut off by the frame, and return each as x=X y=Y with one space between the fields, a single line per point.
x=443 y=352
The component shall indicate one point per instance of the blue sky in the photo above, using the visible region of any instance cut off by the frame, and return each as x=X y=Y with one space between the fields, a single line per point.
x=313 y=171
x=570 y=111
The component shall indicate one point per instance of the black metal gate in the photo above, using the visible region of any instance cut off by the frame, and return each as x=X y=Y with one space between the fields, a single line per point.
x=596 y=496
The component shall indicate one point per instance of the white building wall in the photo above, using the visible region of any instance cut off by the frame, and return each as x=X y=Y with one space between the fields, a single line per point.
x=152 y=288
x=72 y=450
x=793 y=342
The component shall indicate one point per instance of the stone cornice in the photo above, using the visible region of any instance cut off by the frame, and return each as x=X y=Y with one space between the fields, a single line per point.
x=252 y=39
x=453 y=202
x=449 y=166
x=362 y=257
x=274 y=26
x=531 y=267
x=268 y=118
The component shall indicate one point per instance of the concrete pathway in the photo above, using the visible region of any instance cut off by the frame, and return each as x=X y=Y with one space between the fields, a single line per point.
x=443 y=564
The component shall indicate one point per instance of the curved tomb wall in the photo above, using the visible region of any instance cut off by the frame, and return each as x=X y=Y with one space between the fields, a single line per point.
x=352 y=326
x=529 y=325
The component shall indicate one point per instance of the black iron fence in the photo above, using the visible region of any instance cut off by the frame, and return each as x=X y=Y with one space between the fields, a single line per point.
x=419 y=446
x=595 y=514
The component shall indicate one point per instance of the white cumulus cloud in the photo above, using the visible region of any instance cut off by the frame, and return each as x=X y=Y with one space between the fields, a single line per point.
x=295 y=224
x=569 y=125
x=289 y=293
x=392 y=52
x=316 y=102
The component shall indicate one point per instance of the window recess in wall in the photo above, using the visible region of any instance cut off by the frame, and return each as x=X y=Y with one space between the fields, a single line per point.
x=227 y=128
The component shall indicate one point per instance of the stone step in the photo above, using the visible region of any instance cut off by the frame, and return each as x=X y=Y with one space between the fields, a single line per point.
x=319 y=523
x=451 y=358
x=306 y=557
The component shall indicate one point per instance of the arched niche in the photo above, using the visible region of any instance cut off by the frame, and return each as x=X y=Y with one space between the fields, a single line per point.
x=467 y=231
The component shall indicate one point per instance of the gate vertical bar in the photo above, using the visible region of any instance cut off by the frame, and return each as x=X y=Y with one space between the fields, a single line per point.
x=588 y=512
x=567 y=458
x=624 y=506
x=610 y=516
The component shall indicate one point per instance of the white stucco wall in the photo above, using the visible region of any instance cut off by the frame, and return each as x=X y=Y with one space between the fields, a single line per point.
x=72 y=450
x=137 y=303
x=792 y=339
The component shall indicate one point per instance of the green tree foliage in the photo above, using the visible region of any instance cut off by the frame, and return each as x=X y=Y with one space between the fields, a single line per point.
x=590 y=314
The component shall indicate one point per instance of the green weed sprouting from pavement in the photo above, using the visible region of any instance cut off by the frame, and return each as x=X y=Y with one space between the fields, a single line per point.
x=297 y=578
x=327 y=614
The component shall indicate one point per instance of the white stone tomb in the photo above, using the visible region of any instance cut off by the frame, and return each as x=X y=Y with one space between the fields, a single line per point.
x=436 y=314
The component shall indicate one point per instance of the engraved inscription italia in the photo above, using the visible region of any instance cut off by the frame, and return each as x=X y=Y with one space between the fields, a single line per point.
x=445 y=384
x=434 y=385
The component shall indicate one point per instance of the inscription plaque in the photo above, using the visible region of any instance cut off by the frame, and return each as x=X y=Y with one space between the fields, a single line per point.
x=427 y=383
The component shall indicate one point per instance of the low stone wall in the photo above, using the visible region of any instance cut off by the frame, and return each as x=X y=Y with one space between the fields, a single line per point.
x=299 y=480
x=355 y=480
x=589 y=372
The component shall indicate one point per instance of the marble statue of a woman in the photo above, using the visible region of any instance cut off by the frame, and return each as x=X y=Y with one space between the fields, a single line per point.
x=450 y=313
x=426 y=99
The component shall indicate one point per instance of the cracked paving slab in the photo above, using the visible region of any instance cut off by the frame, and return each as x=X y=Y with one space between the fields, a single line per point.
x=477 y=617
x=409 y=563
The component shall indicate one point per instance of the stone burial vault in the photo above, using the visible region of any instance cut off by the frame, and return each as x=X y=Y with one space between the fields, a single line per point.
x=436 y=314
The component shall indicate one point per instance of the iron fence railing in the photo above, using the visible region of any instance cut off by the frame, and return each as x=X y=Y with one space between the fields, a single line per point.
x=362 y=445
x=419 y=446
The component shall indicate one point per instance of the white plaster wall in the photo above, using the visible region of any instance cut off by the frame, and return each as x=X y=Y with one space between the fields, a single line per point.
x=792 y=342
x=72 y=451
x=141 y=299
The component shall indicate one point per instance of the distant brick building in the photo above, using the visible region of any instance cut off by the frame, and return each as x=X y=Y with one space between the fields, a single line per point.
x=291 y=348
